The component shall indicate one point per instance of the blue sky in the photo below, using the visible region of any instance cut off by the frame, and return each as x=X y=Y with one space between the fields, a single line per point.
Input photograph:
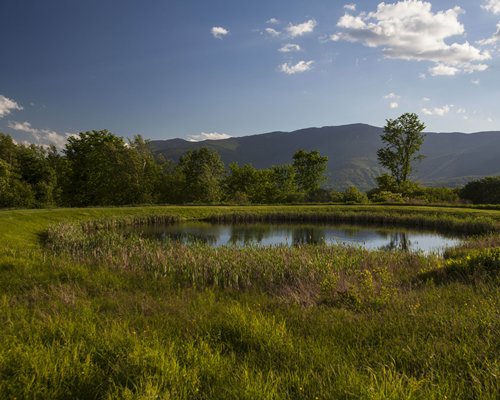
x=211 y=68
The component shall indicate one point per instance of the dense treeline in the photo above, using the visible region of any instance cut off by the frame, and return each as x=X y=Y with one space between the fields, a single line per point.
x=100 y=168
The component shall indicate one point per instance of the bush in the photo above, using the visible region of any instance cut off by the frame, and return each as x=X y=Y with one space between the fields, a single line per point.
x=482 y=191
x=353 y=195
x=386 y=197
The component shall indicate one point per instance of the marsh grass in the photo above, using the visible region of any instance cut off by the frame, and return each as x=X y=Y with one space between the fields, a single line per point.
x=98 y=315
x=309 y=274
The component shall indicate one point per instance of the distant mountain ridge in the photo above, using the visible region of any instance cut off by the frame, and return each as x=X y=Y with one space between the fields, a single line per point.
x=451 y=159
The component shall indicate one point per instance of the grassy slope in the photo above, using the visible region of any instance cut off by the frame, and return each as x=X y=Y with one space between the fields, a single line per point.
x=76 y=329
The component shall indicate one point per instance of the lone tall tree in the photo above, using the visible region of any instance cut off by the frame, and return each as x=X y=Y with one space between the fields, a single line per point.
x=402 y=138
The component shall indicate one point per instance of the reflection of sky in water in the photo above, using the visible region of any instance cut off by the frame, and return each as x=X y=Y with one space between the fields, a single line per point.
x=290 y=234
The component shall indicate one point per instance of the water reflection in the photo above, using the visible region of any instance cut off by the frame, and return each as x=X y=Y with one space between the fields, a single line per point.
x=299 y=234
x=308 y=235
x=398 y=241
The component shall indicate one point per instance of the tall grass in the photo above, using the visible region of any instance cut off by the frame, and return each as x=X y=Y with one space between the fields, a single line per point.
x=308 y=274
x=431 y=220
x=98 y=315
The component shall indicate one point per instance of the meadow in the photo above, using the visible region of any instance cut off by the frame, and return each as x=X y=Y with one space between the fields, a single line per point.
x=89 y=313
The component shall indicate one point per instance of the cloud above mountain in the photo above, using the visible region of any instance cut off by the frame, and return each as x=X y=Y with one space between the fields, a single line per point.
x=410 y=30
x=207 y=136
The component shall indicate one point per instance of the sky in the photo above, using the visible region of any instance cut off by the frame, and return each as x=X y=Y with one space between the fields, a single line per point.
x=210 y=69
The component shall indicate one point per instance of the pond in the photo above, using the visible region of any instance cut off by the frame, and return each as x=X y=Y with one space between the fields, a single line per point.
x=293 y=234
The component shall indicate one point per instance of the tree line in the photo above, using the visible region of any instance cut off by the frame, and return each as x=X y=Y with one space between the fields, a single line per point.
x=98 y=168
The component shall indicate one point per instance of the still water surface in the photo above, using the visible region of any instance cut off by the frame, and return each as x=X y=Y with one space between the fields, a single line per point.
x=265 y=234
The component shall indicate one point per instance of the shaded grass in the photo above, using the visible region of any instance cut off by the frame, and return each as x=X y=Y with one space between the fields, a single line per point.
x=81 y=321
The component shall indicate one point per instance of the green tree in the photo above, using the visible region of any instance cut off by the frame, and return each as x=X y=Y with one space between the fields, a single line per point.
x=26 y=179
x=145 y=172
x=283 y=183
x=36 y=170
x=482 y=191
x=403 y=138
x=353 y=195
x=202 y=173
x=104 y=170
x=241 y=183
x=309 y=168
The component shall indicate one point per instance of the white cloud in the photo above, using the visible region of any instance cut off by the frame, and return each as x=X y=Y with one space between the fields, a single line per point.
x=7 y=106
x=301 y=66
x=301 y=29
x=475 y=81
x=22 y=127
x=41 y=136
x=273 y=21
x=492 y=6
x=350 y=7
x=490 y=119
x=208 y=136
x=219 y=32
x=443 y=70
x=410 y=30
x=272 y=32
x=425 y=99
x=394 y=104
x=391 y=96
x=493 y=40
x=289 y=47
x=461 y=111
x=437 y=111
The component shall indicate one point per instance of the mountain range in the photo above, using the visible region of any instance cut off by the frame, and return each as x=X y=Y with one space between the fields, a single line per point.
x=451 y=159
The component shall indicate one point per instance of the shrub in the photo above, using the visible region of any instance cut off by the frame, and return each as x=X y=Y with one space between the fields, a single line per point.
x=482 y=191
x=354 y=195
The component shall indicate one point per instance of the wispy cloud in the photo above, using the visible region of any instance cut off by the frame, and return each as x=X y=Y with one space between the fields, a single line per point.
x=291 y=69
x=7 y=106
x=391 y=96
x=272 y=32
x=410 y=30
x=438 y=111
x=41 y=136
x=273 y=21
x=219 y=32
x=394 y=104
x=289 y=47
x=301 y=29
x=492 y=40
x=492 y=6
x=350 y=7
x=208 y=136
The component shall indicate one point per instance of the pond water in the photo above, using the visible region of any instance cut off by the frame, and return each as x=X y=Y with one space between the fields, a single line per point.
x=293 y=234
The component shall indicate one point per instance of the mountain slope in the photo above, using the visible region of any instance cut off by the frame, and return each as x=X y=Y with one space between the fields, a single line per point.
x=451 y=158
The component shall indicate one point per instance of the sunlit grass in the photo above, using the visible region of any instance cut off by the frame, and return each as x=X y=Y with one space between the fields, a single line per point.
x=104 y=316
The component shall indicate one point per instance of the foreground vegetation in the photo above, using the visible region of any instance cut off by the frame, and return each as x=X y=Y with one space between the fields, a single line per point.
x=88 y=313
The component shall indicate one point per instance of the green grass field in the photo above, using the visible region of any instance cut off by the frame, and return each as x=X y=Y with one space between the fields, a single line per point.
x=102 y=316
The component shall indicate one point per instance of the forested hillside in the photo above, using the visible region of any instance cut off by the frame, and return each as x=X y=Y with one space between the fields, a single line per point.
x=451 y=159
